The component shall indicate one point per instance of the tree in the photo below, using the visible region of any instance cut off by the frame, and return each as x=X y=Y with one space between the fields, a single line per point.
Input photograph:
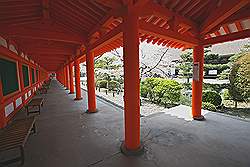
x=147 y=67
x=186 y=65
x=243 y=51
x=106 y=62
x=239 y=78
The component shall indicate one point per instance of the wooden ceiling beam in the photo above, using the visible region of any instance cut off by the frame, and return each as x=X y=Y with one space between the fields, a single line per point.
x=107 y=38
x=49 y=57
x=19 y=20
x=90 y=8
x=67 y=11
x=45 y=6
x=226 y=9
x=239 y=16
x=167 y=34
x=99 y=6
x=108 y=19
x=113 y=4
x=152 y=8
x=32 y=33
x=58 y=51
x=71 y=5
x=11 y=5
x=73 y=23
x=197 y=9
x=227 y=37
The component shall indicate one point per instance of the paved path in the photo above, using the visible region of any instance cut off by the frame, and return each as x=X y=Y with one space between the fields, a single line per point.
x=68 y=137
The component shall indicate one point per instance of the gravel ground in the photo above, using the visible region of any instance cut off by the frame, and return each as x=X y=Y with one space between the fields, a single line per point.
x=147 y=108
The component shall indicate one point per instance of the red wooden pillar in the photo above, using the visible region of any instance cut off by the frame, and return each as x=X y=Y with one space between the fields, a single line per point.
x=67 y=77
x=77 y=80
x=2 y=113
x=21 y=83
x=90 y=81
x=71 y=80
x=132 y=145
x=64 y=76
x=30 y=76
x=20 y=71
x=198 y=56
x=60 y=73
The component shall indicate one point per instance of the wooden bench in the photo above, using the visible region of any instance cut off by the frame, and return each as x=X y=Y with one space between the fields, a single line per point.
x=37 y=102
x=43 y=90
x=15 y=136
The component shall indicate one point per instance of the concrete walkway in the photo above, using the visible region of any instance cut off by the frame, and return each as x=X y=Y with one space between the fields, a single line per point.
x=68 y=137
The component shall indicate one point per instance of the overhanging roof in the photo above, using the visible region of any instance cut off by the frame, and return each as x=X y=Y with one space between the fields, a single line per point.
x=63 y=28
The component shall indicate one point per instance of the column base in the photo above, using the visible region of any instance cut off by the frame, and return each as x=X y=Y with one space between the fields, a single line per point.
x=199 y=118
x=66 y=89
x=80 y=98
x=127 y=152
x=71 y=92
x=91 y=112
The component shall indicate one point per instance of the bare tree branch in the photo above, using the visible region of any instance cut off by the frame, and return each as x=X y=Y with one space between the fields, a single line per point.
x=161 y=58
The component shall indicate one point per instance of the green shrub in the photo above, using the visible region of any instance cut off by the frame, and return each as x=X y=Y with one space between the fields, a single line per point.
x=214 y=87
x=143 y=90
x=101 y=83
x=208 y=106
x=114 y=85
x=185 y=100
x=212 y=97
x=150 y=83
x=218 y=67
x=161 y=91
x=187 y=86
x=225 y=94
x=239 y=79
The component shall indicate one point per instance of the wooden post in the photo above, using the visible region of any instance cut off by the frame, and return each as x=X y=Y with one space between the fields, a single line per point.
x=198 y=56
x=91 y=81
x=67 y=76
x=2 y=114
x=77 y=80
x=71 y=82
x=132 y=145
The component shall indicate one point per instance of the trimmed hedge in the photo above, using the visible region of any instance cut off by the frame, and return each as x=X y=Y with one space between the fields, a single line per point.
x=208 y=106
x=161 y=91
x=114 y=85
x=212 y=97
x=102 y=83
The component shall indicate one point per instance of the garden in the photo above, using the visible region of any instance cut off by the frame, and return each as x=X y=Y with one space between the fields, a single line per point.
x=230 y=98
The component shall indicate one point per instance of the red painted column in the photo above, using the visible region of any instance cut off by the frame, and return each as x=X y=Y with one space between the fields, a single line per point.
x=2 y=114
x=71 y=80
x=131 y=85
x=198 y=56
x=90 y=81
x=20 y=71
x=64 y=76
x=67 y=77
x=77 y=80
x=21 y=83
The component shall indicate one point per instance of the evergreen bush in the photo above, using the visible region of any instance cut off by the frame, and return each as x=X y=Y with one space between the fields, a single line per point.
x=208 y=106
x=212 y=97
